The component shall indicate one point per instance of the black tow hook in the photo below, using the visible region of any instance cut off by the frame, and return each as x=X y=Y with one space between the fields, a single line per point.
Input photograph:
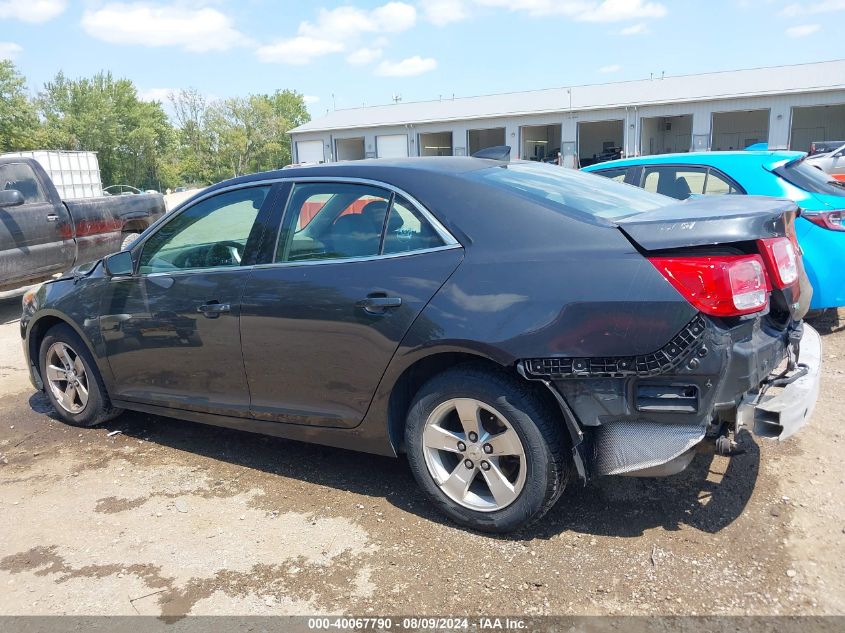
x=727 y=447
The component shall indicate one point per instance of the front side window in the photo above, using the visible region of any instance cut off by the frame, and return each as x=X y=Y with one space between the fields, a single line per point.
x=20 y=177
x=212 y=233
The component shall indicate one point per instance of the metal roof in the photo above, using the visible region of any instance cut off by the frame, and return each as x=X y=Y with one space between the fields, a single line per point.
x=754 y=82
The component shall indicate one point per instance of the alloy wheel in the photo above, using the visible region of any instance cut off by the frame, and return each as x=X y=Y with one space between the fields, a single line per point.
x=67 y=377
x=474 y=454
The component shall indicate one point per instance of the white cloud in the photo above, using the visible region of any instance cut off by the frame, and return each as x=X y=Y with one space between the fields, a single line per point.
x=297 y=50
x=363 y=56
x=612 y=68
x=10 y=50
x=813 y=8
x=156 y=94
x=196 y=30
x=337 y=29
x=635 y=29
x=585 y=10
x=351 y=22
x=32 y=10
x=410 y=67
x=802 y=30
x=442 y=12
x=309 y=99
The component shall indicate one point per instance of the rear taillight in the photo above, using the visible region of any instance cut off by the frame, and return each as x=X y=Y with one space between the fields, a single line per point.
x=730 y=285
x=831 y=220
x=781 y=260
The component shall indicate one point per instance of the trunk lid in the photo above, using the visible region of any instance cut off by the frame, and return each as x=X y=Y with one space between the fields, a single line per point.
x=709 y=221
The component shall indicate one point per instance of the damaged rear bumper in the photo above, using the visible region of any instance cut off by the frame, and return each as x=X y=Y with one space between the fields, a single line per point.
x=647 y=419
x=780 y=412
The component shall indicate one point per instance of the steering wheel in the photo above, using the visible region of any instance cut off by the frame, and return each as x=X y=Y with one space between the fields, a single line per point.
x=224 y=254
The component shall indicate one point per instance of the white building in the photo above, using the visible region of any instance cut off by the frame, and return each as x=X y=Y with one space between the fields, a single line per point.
x=785 y=106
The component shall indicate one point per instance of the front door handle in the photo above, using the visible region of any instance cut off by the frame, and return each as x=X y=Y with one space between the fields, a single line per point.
x=214 y=309
x=52 y=217
x=377 y=304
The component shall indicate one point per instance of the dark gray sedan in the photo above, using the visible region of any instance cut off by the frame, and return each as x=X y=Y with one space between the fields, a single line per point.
x=506 y=325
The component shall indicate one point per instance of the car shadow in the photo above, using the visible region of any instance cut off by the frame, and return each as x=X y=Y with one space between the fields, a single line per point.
x=611 y=506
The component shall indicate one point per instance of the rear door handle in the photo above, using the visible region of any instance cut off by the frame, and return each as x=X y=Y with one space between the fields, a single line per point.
x=378 y=304
x=214 y=309
x=52 y=217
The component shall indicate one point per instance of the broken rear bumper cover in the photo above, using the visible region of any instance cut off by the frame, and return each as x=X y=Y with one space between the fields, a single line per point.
x=646 y=416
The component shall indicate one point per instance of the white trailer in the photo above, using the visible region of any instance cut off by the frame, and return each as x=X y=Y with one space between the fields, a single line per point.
x=75 y=174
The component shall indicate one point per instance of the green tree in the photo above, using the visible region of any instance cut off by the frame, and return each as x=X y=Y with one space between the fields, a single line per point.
x=19 y=125
x=221 y=139
x=105 y=115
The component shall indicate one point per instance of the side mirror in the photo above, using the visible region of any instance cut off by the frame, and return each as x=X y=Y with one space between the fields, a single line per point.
x=11 y=198
x=119 y=264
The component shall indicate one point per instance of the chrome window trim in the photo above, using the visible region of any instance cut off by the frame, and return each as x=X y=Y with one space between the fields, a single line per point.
x=352 y=260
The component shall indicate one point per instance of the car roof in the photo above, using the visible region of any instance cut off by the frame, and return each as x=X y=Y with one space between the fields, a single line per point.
x=374 y=168
x=768 y=157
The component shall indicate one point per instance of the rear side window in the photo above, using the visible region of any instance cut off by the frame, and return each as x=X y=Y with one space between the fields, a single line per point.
x=333 y=221
x=571 y=190
x=407 y=230
x=21 y=177
x=349 y=221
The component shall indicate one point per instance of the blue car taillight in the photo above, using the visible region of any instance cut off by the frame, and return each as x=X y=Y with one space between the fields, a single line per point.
x=831 y=220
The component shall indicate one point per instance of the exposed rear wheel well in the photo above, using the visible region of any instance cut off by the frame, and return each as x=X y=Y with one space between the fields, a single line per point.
x=413 y=378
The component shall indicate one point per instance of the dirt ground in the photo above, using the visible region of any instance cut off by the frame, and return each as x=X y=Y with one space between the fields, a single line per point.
x=173 y=518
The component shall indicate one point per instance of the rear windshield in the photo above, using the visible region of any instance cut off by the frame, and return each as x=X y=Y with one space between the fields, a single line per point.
x=810 y=178
x=570 y=189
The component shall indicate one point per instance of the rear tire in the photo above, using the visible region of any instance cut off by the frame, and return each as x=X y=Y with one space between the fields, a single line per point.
x=71 y=379
x=517 y=466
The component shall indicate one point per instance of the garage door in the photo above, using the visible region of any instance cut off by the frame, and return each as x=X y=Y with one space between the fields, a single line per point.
x=392 y=146
x=309 y=151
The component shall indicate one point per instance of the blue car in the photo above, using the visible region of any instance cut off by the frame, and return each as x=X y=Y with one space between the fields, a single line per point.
x=820 y=229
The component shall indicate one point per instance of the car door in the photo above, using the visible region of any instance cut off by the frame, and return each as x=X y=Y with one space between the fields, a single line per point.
x=353 y=268
x=36 y=237
x=171 y=330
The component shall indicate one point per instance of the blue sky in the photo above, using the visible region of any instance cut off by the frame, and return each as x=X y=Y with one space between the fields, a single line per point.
x=365 y=51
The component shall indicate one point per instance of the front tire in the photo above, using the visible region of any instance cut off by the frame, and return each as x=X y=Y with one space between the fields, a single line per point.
x=128 y=240
x=486 y=449
x=71 y=379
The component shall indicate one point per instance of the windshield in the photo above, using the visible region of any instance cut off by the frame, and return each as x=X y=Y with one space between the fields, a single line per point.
x=570 y=189
x=810 y=178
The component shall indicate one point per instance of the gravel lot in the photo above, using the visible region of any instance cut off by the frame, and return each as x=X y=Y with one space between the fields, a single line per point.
x=170 y=518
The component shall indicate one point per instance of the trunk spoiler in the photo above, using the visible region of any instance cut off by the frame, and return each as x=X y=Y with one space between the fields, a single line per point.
x=709 y=221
